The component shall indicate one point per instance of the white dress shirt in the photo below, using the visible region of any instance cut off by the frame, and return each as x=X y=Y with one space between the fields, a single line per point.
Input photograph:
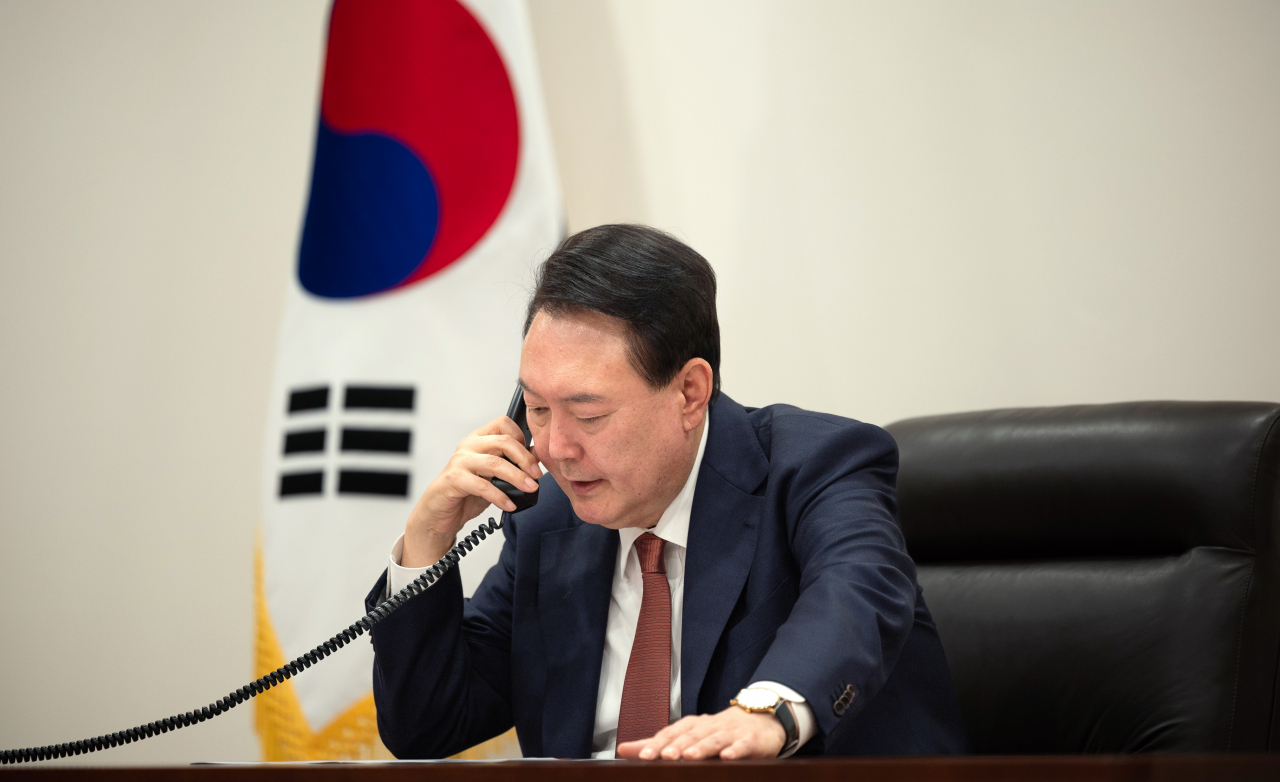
x=624 y=614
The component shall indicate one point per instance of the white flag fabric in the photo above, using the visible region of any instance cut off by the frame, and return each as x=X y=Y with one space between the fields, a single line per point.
x=433 y=195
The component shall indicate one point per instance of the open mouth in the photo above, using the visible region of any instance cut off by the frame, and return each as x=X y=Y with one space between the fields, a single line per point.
x=585 y=487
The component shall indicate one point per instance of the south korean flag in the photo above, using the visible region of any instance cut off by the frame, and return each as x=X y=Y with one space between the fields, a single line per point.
x=432 y=198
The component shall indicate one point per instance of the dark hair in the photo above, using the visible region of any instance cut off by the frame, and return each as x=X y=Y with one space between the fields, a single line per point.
x=662 y=289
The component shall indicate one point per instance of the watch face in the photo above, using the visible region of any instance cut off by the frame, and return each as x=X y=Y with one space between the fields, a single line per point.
x=756 y=698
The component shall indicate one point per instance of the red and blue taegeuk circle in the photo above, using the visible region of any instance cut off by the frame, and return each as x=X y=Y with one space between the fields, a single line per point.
x=416 y=149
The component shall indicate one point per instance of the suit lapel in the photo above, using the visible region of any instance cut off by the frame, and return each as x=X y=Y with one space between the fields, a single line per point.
x=575 y=582
x=722 y=540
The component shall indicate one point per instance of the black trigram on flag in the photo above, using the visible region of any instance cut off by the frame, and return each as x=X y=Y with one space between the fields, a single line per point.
x=307 y=434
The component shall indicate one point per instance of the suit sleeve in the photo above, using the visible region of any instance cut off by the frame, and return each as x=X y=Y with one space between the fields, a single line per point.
x=857 y=593
x=441 y=671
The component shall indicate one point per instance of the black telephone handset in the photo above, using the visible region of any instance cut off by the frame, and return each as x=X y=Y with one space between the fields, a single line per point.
x=523 y=500
x=517 y=412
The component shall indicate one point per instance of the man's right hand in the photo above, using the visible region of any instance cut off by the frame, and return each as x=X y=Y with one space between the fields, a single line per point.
x=463 y=489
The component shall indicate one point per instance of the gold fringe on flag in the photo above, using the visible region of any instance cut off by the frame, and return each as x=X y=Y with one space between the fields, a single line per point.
x=278 y=716
x=353 y=735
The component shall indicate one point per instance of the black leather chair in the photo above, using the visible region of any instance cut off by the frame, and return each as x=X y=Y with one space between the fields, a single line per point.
x=1105 y=578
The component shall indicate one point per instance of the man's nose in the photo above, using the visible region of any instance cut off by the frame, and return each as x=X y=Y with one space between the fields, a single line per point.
x=560 y=441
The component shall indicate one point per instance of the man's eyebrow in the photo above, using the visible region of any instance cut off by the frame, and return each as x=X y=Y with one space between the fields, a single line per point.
x=583 y=399
x=576 y=399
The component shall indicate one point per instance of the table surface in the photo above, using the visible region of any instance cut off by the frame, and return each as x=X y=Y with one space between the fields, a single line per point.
x=1121 y=768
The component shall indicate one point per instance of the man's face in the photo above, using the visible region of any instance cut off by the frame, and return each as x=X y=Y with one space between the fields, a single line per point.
x=619 y=449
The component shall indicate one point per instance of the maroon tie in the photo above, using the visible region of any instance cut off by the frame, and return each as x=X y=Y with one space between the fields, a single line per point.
x=646 y=692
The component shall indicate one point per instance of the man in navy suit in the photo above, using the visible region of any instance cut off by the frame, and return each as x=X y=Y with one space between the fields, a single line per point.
x=697 y=580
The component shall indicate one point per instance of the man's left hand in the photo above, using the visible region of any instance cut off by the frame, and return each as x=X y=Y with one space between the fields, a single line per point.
x=733 y=734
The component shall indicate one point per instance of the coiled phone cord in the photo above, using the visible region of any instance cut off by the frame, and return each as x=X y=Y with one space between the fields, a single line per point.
x=287 y=671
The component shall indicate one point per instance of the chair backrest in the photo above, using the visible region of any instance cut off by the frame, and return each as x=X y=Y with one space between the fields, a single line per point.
x=1105 y=578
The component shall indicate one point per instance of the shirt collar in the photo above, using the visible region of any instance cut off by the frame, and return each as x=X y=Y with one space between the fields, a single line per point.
x=673 y=527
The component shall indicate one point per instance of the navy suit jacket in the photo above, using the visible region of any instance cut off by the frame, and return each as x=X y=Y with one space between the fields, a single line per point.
x=795 y=572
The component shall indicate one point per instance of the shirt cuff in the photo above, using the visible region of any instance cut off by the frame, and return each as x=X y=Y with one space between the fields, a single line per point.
x=400 y=577
x=806 y=724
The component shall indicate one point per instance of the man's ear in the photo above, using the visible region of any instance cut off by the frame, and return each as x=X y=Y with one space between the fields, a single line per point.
x=694 y=384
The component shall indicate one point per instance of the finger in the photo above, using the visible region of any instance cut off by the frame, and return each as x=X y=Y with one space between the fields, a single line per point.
x=744 y=747
x=631 y=750
x=512 y=448
x=650 y=748
x=500 y=425
x=710 y=746
x=680 y=739
x=488 y=465
x=476 y=486
x=644 y=749
x=511 y=429
x=677 y=728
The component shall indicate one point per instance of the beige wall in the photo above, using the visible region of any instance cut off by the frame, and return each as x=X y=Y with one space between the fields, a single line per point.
x=914 y=207
x=153 y=163
x=920 y=207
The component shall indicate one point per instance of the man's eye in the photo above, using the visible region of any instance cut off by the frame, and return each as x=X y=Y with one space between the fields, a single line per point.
x=591 y=420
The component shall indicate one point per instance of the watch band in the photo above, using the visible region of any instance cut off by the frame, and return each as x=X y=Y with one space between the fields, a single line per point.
x=787 y=716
